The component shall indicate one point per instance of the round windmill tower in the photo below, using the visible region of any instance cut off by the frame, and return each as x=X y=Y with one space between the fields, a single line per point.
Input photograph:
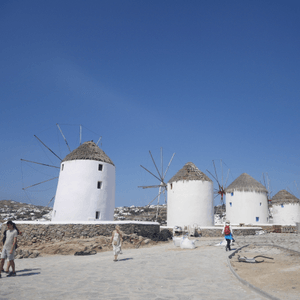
x=246 y=201
x=86 y=186
x=190 y=198
x=285 y=208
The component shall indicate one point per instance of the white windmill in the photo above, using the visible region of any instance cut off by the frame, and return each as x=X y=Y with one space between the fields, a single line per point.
x=162 y=186
x=47 y=172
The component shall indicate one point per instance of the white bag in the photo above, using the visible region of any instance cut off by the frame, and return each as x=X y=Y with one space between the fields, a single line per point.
x=187 y=244
x=177 y=241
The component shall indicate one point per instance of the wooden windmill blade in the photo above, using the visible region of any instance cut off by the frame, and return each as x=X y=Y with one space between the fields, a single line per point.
x=155 y=197
x=266 y=184
x=150 y=186
x=221 y=186
x=214 y=179
x=38 y=163
x=156 y=166
x=161 y=177
x=216 y=173
x=150 y=173
x=297 y=188
x=167 y=169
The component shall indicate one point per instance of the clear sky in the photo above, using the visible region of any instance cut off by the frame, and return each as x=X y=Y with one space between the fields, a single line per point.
x=208 y=80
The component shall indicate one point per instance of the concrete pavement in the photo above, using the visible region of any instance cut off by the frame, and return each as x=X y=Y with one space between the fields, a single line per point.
x=159 y=272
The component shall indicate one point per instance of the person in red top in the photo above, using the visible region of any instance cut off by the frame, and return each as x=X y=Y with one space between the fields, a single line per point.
x=227 y=231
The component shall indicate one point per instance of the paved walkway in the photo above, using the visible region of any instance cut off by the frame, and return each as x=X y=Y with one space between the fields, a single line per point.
x=160 y=272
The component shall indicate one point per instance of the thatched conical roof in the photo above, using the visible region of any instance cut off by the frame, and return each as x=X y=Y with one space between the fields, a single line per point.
x=284 y=197
x=246 y=183
x=88 y=151
x=189 y=172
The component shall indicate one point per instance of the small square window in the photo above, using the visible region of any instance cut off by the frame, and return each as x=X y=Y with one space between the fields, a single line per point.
x=99 y=185
x=282 y=205
x=257 y=219
x=100 y=167
x=232 y=194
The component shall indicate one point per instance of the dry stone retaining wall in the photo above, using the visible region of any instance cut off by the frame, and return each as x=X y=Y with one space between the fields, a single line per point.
x=43 y=233
x=217 y=232
x=277 y=228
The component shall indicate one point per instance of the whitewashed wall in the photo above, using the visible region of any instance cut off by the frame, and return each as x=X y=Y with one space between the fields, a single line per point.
x=77 y=196
x=287 y=214
x=190 y=202
x=245 y=207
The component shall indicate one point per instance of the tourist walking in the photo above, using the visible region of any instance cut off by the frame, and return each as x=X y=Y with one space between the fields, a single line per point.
x=3 y=242
x=8 y=251
x=227 y=231
x=116 y=240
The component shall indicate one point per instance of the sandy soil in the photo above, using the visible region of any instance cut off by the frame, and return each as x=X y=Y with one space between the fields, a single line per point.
x=279 y=277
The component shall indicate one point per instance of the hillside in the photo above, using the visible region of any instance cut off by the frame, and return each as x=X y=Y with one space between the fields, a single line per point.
x=12 y=210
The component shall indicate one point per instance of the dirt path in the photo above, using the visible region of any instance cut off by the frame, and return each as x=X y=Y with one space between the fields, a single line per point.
x=279 y=277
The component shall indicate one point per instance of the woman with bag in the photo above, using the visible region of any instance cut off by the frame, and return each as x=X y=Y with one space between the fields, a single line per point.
x=227 y=231
x=116 y=240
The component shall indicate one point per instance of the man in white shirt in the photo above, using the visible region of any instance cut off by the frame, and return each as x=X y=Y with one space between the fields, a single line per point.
x=8 y=251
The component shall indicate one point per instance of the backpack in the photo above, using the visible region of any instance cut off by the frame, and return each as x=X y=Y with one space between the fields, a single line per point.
x=227 y=230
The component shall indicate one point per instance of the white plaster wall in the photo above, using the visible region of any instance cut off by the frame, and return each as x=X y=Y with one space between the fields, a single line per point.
x=246 y=206
x=190 y=202
x=77 y=196
x=289 y=214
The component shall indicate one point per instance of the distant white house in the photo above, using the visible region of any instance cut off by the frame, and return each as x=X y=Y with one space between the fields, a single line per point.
x=246 y=201
x=190 y=198
x=285 y=208
x=86 y=186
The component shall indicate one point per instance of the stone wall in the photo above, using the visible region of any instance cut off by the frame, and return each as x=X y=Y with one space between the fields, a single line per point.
x=277 y=228
x=42 y=233
x=217 y=232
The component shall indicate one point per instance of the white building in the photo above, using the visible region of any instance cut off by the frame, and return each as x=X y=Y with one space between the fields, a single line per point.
x=190 y=198
x=246 y=201
x=285 y=208
x=86 y=186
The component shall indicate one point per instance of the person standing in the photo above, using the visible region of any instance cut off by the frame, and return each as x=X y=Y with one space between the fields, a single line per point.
x=3 y=241
x=8 y=251
x=227 y=231
x=116 y=240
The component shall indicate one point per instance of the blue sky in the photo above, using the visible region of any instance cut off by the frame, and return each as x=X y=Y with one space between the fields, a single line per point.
x=208 y=80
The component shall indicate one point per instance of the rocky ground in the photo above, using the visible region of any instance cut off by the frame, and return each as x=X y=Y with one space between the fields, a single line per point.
x=88 y=245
